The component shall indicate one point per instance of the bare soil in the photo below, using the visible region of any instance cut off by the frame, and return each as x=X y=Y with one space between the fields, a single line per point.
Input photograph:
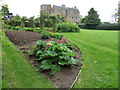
x=25 y=40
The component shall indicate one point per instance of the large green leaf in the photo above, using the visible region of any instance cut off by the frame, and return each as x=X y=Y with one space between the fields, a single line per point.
x=39 y=52
x=72 y=61
x=46 y=64
x=55 y=68
x=63 y=62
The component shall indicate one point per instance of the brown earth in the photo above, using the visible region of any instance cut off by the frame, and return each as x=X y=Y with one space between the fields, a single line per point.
x=25 y=40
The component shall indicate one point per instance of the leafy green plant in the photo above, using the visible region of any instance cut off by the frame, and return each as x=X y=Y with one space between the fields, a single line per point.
x=54 y=57
x=27 y=29
x=15 y=28
x=53 y=35
x=38 y=31
x=59 y=37
x=71 y=46
x=9 y=27
x=4 y=39
x=44 y=34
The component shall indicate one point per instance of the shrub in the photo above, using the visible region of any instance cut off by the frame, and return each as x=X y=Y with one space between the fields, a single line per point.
x=9 y=27
x=71 y=46
x=27 y=29
x=38 y=31
x=54 y=57
x=68 y=27
x=59 y=37
x=15 y=28
x=44 y=34
x=4 y=39
x=53 y=35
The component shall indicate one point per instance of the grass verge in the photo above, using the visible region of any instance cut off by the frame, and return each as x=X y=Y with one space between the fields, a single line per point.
x=18 y=73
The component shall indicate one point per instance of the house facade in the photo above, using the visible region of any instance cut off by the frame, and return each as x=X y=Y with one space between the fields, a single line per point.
x=70 y=14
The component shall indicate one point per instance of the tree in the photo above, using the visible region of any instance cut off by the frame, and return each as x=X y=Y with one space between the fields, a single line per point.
x=47 y=20
x=42 y=20
x=37 y=22
x=60 y=19
x=23 y=19
x=31 y=21
x=92 y=19
x=115 y=15
x=54 y=22
x=15 y=20
x=82 y=19
x=5 y=12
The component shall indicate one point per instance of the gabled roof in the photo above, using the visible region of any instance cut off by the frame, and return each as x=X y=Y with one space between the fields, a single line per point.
x=63 y=7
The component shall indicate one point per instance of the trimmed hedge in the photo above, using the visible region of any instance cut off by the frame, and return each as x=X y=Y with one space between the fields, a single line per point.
x=101 y=27
x=68 y=27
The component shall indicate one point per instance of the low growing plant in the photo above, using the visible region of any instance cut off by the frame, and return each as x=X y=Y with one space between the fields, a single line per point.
x=44 y=34
x=71 y=46
x=53 y=35
x=54 y=57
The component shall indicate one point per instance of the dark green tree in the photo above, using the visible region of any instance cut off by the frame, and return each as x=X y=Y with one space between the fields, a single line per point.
x=92 y=19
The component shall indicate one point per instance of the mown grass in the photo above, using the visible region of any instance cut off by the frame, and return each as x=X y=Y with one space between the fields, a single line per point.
x=18 y=73
x=100 y=58
x=100 y=62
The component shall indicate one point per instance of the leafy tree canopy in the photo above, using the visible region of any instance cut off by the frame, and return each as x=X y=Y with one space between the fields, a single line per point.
x=5 y=12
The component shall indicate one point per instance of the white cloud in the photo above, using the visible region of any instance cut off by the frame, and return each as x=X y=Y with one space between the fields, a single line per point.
x=29 y=8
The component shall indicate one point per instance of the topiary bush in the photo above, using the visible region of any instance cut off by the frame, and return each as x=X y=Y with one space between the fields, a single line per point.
x=44 y=34
x=68 y=27
x=54 y=57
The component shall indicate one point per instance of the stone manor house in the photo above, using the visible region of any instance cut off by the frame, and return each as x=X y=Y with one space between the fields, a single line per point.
x=70 y=14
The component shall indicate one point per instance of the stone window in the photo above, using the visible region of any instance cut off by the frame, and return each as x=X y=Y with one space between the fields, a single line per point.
x=64 y=11
x=59 y=11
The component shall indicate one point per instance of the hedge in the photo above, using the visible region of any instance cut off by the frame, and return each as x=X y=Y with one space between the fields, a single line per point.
x=101 y=27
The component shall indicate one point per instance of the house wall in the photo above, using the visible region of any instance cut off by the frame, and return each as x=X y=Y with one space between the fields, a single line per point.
x=70 y=14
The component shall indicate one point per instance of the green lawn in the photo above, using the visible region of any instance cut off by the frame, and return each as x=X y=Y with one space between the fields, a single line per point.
x=100 y=62
x=18 y=73
x=100 y=58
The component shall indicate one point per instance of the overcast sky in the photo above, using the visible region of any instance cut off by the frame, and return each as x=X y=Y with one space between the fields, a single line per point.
x=29 y=8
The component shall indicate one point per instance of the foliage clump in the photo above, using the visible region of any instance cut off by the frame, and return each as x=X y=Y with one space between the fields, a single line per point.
x=54 y=57
x=54 y=35
x=44 y=34
x=68 y=27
